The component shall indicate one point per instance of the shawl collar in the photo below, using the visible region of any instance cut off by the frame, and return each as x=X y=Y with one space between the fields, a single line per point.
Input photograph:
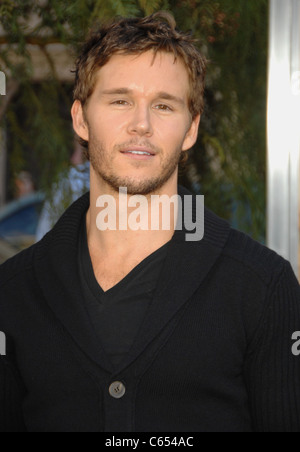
x=186 y=266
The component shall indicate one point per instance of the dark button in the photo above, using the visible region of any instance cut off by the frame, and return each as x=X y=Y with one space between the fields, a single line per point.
x=117 y=389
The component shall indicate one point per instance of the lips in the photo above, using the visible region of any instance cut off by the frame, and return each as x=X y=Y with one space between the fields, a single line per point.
x=138 y=151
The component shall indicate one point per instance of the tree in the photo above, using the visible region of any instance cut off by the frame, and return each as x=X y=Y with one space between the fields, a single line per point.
x=228 y=162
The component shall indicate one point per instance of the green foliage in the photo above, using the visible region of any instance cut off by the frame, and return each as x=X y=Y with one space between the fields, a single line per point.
x=228 y=162
x=241 y=114
x=44 y=135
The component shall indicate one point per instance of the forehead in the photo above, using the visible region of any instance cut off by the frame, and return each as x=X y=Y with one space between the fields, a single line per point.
x=144 y=73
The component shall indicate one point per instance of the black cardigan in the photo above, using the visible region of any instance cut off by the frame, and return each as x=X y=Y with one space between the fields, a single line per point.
x=214 y=353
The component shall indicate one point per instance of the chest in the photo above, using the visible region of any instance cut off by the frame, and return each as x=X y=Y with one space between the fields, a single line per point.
x=109 y=275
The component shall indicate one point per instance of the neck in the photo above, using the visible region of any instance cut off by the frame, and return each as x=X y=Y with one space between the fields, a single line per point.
x=129 y=225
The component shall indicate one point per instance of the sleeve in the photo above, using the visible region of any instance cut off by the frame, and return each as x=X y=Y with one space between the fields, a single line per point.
x=272 y=366
x=11 y=398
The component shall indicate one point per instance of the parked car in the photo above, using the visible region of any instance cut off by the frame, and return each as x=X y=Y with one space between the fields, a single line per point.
x=18 y=224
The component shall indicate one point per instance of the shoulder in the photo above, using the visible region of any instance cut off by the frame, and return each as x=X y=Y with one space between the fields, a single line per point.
x=17 y=266
x=254 y=258
x=64 y=233
x=244 y=261
x=243 y=257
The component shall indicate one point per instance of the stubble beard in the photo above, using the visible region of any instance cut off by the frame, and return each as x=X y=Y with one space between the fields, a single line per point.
x=101 y=162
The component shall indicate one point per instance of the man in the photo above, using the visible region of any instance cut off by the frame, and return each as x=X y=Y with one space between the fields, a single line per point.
x=125 y=329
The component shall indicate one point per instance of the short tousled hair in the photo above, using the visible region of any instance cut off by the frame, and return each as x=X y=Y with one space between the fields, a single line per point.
x=134 y=36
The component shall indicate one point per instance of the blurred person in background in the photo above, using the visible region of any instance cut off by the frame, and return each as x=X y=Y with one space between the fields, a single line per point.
x=24 y=185
x=68 y=189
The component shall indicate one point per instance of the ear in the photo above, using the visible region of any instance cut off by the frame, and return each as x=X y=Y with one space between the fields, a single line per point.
x=192 y=134
x=79 y=122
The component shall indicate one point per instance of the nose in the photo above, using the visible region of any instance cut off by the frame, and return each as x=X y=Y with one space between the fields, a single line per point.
x=140 y=122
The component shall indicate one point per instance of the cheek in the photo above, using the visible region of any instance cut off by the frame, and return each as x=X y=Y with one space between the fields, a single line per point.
x=172 y=133
x=103 y=127
x=111 y=125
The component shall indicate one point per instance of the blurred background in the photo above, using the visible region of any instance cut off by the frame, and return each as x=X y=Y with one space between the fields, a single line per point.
x=42 y=169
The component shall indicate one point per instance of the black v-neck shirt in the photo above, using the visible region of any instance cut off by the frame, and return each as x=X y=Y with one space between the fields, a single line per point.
x=117 y=314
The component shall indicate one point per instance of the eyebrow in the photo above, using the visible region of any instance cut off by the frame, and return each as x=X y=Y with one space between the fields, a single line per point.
x=161 y=94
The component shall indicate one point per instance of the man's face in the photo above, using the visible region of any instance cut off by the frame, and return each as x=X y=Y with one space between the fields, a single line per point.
x=138 y=106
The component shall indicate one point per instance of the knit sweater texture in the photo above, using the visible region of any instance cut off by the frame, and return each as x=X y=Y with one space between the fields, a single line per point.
x=214 y=352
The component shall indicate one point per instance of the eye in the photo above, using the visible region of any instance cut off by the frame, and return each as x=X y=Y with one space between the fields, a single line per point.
x=120 y=102
x=163 y=107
